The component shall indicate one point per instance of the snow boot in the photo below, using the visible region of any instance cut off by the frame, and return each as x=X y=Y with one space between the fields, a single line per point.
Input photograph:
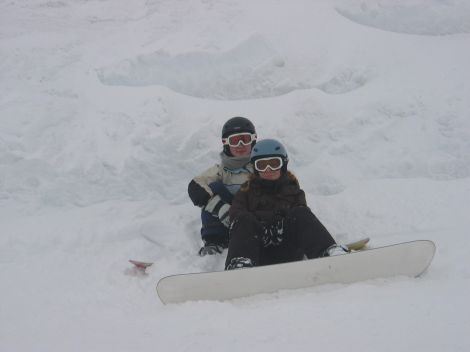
x=211 y=249
x=336 y=249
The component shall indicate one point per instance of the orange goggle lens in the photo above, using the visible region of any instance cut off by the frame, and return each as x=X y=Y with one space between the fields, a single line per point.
x=274 y=163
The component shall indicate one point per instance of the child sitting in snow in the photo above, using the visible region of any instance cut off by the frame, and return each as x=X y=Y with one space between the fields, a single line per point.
x=214 y=189
x=271 y=222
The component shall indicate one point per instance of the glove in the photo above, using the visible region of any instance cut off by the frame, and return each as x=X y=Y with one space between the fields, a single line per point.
x=273 y=232
x=218 y=208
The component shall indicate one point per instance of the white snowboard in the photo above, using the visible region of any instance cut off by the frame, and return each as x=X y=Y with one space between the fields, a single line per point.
x=408 y=259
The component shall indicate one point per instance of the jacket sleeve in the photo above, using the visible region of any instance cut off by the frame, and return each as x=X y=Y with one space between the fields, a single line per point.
x=199 y=190
x=198 y=194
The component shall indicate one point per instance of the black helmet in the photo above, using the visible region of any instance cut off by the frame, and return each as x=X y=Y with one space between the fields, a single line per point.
x=237 y=125
x=234 y=125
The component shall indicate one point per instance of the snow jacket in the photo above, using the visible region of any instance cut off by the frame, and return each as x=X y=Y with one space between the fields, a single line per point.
x=268 y=199
x=231 y=171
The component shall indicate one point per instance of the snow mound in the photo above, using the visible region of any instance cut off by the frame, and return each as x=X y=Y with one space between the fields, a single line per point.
x=251 y=70
x=423 y=17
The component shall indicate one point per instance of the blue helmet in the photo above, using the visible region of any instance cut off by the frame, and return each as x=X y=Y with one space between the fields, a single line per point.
x=270 y=147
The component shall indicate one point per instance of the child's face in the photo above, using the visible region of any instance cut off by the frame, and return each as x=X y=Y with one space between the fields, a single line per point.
x=241 y=150
x=269 y=174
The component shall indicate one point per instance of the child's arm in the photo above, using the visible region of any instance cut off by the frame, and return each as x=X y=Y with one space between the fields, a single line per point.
x=199 y=190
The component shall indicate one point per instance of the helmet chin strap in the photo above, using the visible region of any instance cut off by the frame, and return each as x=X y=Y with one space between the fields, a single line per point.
x=227 y=151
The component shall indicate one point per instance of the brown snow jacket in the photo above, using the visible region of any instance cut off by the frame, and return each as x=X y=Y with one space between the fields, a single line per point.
x=266 y=199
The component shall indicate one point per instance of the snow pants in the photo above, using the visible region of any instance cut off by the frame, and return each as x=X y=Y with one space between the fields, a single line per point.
x=304 y=235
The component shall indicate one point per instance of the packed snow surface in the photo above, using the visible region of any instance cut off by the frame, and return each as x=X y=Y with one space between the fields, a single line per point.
x=108 y=108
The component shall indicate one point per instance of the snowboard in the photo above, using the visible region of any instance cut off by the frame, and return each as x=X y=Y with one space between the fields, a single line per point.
x=402 y=259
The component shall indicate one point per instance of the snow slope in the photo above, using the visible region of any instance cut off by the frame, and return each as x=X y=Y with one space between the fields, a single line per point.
x=109 y=108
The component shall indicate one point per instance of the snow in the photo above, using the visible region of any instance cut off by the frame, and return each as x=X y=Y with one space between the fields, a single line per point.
x=109 y=108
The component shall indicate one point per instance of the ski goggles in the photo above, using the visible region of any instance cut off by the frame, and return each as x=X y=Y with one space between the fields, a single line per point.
x=274 y=163
x=244 y=138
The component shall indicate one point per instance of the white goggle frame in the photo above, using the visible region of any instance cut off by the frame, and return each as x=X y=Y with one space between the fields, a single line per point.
x=281 y=163
x=225 y=141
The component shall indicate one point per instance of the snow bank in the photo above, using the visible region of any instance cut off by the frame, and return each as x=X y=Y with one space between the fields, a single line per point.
x=109 y=108
x=421 y=17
